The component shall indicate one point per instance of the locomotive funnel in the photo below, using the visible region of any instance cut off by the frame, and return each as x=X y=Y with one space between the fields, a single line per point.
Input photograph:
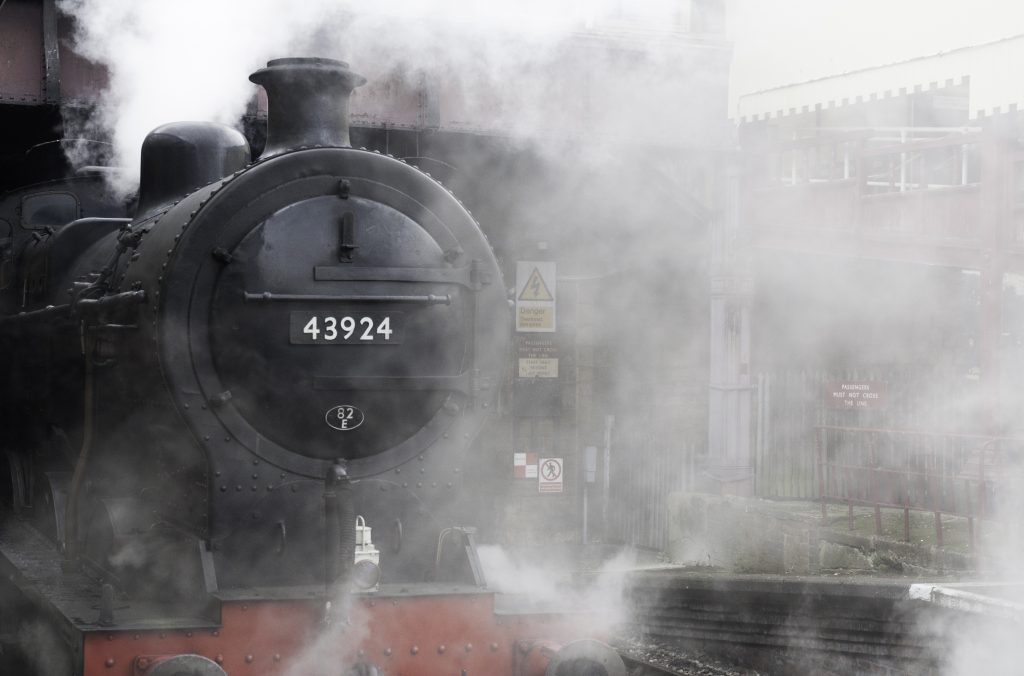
x=307 y=101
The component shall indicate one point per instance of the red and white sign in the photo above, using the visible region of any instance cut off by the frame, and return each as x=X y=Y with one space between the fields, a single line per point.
x=549 y=477
x=524 y=465
x=855 y=395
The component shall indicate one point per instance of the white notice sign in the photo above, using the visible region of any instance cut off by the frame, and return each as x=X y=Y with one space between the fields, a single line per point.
x=535 y=297
x=549 y=479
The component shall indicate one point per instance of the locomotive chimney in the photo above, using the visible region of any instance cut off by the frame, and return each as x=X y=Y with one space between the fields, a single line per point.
x=307 y=102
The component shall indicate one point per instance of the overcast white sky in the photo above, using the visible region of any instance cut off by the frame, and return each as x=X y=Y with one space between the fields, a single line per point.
x=786 y=41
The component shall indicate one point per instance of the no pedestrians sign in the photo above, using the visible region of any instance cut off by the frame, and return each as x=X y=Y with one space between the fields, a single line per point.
x=549 y=475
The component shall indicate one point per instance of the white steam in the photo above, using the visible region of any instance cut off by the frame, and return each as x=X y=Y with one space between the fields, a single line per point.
x=336 y=643
x=552 y=585
x=190 y=60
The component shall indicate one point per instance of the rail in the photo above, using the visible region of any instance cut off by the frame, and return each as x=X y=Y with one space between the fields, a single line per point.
x=942 y=473
x=901 y=182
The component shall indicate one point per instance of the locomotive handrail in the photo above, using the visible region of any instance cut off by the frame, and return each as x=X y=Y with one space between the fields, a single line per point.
x=339 y=273
x=267 y=296
x=84 y=307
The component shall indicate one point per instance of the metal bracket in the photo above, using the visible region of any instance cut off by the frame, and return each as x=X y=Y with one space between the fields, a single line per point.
x=51 y=53
x=348 y=238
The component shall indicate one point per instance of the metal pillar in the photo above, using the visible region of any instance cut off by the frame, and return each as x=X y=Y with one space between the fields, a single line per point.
x=730 y=419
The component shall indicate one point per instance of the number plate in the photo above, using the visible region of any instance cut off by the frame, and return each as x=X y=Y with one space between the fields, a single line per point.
x=332 y=328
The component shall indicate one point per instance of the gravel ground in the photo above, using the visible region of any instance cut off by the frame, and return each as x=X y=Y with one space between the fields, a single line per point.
x=687 y=663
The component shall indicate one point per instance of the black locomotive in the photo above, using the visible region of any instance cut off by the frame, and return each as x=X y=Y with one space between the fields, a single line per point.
x=206 y=394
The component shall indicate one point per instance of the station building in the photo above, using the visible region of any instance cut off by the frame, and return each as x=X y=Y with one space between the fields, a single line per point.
x=878 y=258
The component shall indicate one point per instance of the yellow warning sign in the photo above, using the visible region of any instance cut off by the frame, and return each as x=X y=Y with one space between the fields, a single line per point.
x=535 y=288
x=535 y=318
x=535 y=296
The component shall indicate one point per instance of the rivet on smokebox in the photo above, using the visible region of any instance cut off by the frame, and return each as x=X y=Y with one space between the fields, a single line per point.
x=441 y=649
x=414 y=650
x=277 y=657
x=142 y=663
x=469 y=647
x=109 y=663
x=219 y=659
x=494 y=647
x=248 y=659
x=387 y=652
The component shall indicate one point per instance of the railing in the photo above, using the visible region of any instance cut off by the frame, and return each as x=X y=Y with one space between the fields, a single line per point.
x=941 y=473
x=907 y=181
x=885 y=160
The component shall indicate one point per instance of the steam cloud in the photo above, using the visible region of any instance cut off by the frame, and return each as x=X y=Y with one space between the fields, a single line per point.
x=190 y=60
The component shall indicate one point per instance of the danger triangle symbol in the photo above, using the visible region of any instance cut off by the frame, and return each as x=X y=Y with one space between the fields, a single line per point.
x=535 y=288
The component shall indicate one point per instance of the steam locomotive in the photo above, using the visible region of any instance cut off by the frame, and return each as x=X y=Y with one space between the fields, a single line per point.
x=204 y=398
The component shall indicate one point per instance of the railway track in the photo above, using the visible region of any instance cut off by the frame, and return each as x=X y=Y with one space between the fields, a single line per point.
x=644 y=658
x=782 y=625
x=638 y=667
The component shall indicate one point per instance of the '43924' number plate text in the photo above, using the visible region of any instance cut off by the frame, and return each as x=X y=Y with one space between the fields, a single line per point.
x=327 y=328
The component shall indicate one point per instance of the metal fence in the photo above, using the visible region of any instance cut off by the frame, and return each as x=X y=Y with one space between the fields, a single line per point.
x=791 y=405
x=647 y=466
x=941 y=473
